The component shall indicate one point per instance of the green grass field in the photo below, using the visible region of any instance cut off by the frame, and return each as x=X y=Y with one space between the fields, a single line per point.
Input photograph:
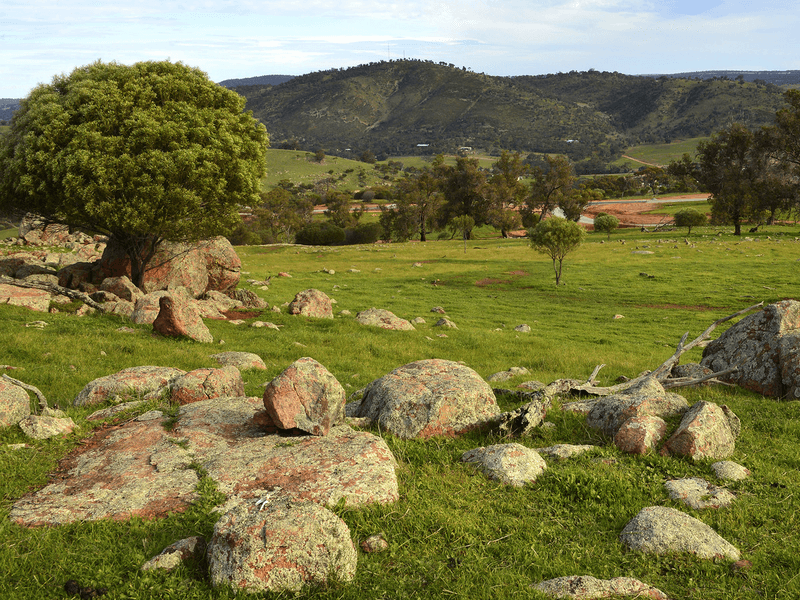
x=659 y=154
x=453 y=533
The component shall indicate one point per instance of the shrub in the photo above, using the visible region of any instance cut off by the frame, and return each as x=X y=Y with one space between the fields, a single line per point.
x=321 y=234
x=366 y=233
x=606 y=224
x=690 y=217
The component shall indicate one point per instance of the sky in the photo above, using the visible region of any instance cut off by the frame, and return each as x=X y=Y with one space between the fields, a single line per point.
x=246 y=38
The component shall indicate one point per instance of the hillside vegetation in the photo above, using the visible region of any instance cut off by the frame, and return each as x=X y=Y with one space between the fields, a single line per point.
x=416 y=107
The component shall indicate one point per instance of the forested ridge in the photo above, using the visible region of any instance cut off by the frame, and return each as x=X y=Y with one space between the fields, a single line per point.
x=411 y=106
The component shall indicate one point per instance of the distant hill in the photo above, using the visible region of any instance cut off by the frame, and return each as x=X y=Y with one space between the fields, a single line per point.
x=412 y=106
x=791 y=78
x=7 y=108
x=261 y=80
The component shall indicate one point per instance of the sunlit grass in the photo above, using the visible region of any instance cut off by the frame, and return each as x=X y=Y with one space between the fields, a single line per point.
x=453 y=532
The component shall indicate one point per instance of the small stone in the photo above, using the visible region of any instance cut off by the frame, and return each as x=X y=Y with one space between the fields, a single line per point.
x=374 y=543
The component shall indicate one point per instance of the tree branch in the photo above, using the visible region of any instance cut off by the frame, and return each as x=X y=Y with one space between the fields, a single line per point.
x=53 y=289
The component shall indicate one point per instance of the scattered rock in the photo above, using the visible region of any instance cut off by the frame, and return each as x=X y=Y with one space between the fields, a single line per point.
x=171 y=557
x=646 y=398
x=305 y=396
x=428 y=398
x=312 y=303
x=565 y=451
x=378 y=317
x=204 y=384
x=42 y=427
x=374 y=544
x=33 y=299
x=134 y=382
x=663 y=530
x=438 y=309
x=586 y=587
x=698 y=494
x=240 y=360
x=15 y=404
x=418 y=321
x=283 y=546
x=706 y=431
x=766 y=346
x=512 y=464
x=506 y=375
x=445 y=322
x=178 y=318
x=731 y=471
x=523 y=328
x=640 y=434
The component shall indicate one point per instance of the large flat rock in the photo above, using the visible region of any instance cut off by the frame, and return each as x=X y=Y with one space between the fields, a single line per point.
x=141 y=469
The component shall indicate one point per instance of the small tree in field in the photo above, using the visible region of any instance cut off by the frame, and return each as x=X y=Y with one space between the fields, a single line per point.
x=556 y=237
x=144 y=153
x=690 y=217
x=606 y=224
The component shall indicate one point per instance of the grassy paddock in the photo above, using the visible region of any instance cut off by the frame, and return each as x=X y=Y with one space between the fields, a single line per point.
x=660 y=154
x=453 y=533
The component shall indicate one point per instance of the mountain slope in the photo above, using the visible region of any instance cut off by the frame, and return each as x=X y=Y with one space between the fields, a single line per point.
x=393 y=107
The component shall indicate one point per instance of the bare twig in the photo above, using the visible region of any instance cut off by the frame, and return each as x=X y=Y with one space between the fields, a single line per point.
x=53 y=289
x=686 y=381
x=42 y=400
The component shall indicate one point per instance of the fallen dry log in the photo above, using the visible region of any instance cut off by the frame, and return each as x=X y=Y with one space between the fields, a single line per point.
x=54 y=289
x=662 y=372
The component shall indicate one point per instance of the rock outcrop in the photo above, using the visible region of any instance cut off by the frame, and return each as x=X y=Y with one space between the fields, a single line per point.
x=305 y=396
x=199 y=267
x=511 y=464
x=141 y=469
x=129 y=384
x=766 y=346
x=663 y=530
x=428 y=398
x=312 y=303
x=378 y=317
x=586 y=587
x=706 y=431
x=177 y=317
x=280 y=545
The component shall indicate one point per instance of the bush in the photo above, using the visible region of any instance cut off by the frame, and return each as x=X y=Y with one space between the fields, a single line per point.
x=606 y=223
x=690 y=217
x=367 y=233
x=321 y=234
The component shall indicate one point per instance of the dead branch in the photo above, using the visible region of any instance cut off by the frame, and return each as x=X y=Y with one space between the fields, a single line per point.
x=53 y=289
x=687 y=381
x=32 y=388
x=663 y=371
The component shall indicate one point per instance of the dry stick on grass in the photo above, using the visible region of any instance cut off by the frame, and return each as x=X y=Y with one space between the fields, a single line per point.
x=663 y=371
x=42 y=400
x=53 y=289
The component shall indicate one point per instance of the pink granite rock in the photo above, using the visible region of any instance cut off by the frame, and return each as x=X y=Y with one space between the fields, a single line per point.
x=305 y=396
x=312 y=303
x=177 y=317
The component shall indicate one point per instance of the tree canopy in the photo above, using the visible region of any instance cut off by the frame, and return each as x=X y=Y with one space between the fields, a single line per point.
x=143 y=153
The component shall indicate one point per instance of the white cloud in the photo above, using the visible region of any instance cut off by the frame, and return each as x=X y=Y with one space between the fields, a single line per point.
x=239 y=38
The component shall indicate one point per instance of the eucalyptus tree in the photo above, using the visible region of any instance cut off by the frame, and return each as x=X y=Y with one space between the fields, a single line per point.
x=143 y=153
